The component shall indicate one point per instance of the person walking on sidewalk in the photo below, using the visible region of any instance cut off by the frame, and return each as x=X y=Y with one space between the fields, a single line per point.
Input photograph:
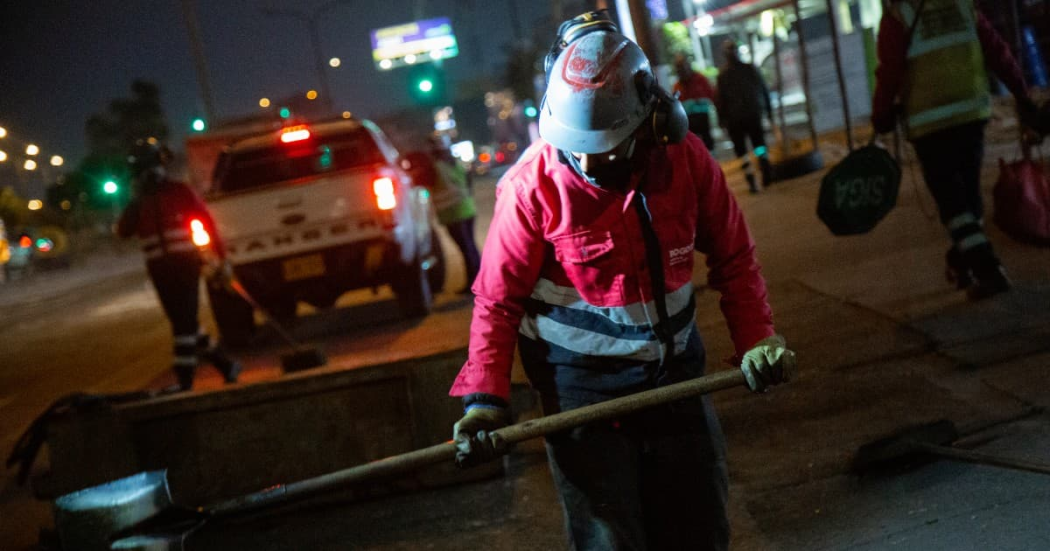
x=697 y=97
x=742 y=99
x=588 y=270
x=160 y=215
x=932 y=56
x=452 y=196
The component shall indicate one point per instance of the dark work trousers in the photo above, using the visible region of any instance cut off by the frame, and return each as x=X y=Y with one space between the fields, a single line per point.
x=176 y=278
x=700 y=124
x=462 y=233
x=742 y=131
x=951 y=164
x=655 y=480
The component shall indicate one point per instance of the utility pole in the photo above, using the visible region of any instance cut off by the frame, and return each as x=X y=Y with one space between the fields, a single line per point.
x=189 y=13
x=635 y=24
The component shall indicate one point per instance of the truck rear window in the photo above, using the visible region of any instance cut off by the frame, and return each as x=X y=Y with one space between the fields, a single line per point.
x=280 y=163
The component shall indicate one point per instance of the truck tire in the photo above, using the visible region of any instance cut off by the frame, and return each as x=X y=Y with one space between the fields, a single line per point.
x=412 y=288
x=436 y=271
x=234 y=317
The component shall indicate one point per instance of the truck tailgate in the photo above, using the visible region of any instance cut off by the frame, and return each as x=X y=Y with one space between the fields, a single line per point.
x=299 y=216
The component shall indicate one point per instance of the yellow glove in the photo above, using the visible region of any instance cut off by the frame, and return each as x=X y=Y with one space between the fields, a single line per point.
x=767 y=363
x=473 y=435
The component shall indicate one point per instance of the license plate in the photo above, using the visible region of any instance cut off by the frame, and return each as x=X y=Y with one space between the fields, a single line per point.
x=303 y=267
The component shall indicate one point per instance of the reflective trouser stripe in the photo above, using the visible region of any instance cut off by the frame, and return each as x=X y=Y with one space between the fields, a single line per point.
x=185 y=360
x=961 y=221
x=967 y=231
x=185 y=340
x=971 y=241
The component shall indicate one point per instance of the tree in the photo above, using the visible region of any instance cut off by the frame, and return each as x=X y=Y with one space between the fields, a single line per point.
x=110 y=135
x=114 y=131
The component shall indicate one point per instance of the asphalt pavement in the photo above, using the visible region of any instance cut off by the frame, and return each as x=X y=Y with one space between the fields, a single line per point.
x=884 y=343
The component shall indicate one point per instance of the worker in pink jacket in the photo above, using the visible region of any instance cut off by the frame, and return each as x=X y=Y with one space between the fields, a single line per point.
x=587 y=269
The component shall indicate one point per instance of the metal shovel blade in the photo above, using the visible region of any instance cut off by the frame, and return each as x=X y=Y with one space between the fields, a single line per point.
x=86 y=519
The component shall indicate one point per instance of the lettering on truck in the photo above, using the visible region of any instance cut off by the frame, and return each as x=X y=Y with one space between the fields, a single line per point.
x=281 y=241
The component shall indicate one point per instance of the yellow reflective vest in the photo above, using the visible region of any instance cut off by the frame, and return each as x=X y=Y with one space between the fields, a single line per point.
x=946 y=83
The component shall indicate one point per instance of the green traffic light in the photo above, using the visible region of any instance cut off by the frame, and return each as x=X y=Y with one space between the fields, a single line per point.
x=110 y=187
x=285 y=112
x=426 y=85
x=198 y=125
x=530 y=112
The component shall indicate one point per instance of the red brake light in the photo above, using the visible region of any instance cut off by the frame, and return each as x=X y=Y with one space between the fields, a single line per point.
x=484 y=158
x=199 y=234
x=500 y=156
x=295 y=134
x=383 y=187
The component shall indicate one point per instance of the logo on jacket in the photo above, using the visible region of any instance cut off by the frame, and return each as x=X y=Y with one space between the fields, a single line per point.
x=680 y=255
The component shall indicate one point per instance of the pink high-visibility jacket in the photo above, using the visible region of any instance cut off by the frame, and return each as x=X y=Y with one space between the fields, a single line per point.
x=564 y=266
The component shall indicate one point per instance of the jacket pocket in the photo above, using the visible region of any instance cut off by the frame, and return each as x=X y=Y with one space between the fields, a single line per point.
x=590 y=261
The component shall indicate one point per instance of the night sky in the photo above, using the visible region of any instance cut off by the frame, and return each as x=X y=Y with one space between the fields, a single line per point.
x=63 y=60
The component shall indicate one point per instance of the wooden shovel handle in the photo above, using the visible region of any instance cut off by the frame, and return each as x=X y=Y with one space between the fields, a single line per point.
x=512 y=434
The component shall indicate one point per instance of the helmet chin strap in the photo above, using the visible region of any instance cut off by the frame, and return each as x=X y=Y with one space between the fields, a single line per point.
x=573 y=162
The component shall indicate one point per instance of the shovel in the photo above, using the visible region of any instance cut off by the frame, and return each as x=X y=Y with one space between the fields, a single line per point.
x=137 y=512
x=301 y=357
x=917 y=443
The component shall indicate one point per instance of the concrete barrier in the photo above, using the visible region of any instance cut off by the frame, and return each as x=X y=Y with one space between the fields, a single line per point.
x=237 y=440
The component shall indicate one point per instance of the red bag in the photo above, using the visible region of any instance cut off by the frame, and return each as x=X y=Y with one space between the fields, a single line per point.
x=1022 y=201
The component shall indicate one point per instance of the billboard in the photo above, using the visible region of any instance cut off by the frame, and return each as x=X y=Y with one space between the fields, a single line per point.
x=413 y=43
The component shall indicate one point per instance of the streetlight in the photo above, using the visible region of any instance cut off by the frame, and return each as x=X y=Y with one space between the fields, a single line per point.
x=3 y=156
x=3 y=132
x=57 y=160
x=32 y=149
x=264 y=102
x=311 y=20
x=30 y=164
x=335 y=62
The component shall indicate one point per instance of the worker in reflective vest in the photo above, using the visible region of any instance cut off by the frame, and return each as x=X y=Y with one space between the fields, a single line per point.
x=587 y=270
x=932 y=57
x=454 y=202
x=160 y=215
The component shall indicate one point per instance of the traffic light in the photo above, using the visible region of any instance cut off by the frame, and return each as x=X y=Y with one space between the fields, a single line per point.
x=530 y=109
x=426 y=84
x=198 y=125
x=110 y=187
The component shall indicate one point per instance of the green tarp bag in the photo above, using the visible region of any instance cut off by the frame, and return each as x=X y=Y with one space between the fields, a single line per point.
x=859 y=191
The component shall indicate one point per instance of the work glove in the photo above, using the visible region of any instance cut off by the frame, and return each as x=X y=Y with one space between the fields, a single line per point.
x=475 y=442
x=768 y=363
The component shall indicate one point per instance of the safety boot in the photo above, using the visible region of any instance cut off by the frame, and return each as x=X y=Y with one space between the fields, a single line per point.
x=214 y=354
x=184 y=376
x=767 y=170
x=991 y=280
x=988 y=273
x=956 y=271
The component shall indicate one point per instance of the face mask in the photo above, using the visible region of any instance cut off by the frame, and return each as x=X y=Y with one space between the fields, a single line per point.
x=613 y=174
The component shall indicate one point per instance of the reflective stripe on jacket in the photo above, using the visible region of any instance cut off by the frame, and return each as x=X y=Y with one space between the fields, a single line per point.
x=564 y=267
x=161 y=221
x=948 y=85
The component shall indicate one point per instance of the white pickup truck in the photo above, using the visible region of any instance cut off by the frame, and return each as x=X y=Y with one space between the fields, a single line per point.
x=310 y=212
